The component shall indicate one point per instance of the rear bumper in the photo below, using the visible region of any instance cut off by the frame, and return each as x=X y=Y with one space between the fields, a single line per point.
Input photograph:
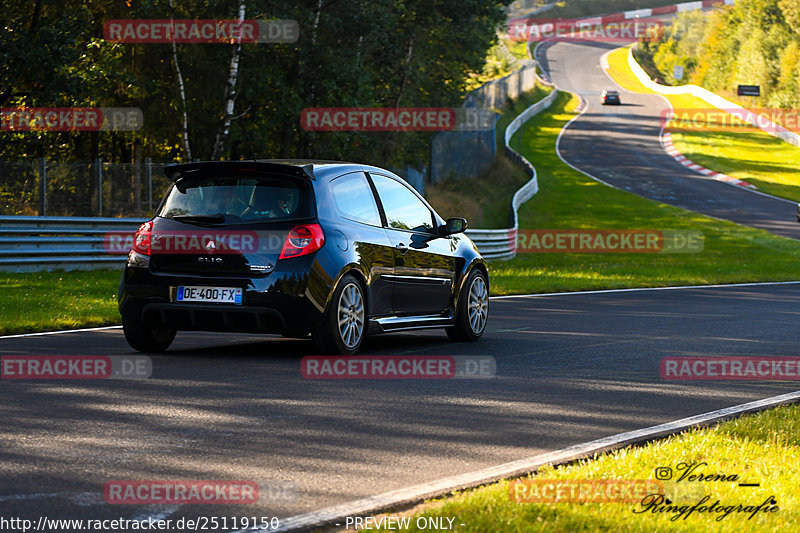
x=210 y=317
x=278 y=303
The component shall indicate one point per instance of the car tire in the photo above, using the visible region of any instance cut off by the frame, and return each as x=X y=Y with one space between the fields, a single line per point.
x=345 y=324
x=147 y=338
x=473 y=309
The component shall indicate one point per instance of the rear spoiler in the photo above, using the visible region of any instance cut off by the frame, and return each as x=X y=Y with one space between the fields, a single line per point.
x=175 y=171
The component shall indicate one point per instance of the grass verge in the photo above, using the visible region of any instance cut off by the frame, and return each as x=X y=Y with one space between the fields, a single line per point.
x=484 y=200
x=759 y=448
x=45 y=301
x=752 y=155
x=567 y=199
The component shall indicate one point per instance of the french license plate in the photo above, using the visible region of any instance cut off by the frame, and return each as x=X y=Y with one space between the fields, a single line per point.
x=226 y=295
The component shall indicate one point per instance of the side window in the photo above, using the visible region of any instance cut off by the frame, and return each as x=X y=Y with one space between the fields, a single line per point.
x=354 y=199
x=402 y=207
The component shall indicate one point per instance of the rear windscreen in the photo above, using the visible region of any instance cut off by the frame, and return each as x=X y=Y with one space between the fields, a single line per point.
x=239 y=199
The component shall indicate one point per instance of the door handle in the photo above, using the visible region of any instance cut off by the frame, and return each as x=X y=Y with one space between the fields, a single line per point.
x=402 y=248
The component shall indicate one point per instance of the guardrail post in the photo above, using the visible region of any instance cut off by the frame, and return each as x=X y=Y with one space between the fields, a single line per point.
x=148 y=171
x=42 y=187
x=98 y=168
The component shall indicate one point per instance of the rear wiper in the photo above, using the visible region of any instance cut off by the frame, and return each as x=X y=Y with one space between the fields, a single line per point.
x=208 y=219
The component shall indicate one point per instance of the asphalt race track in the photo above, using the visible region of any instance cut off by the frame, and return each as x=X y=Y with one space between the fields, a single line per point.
x=570 y=368
x=620 y=145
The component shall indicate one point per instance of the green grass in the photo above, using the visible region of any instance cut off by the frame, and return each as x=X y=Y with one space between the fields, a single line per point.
x=516 y=107
x=518 y=48
x=760 y=448
x=754 y=156
x=568 y=199
x=485 y=201
x=43 y=301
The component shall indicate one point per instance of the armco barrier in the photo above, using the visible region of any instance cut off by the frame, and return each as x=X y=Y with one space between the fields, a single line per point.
x=48 y=243
x=502 y=243
x=29 y=243
x=715 y=100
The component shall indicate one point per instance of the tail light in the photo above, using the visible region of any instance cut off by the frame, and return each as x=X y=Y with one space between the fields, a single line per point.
x=303 y=240
x=141 y=241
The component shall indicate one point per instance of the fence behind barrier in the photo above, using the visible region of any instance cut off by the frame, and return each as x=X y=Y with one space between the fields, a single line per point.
x=81 y=189
x=35 y=243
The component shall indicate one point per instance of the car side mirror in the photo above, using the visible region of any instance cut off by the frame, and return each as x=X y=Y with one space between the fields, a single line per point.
x=454 y=225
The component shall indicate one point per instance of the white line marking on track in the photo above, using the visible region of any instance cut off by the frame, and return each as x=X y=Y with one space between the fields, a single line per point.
x=418 y=493
x=156 y=513
x=58 y=332
x=752 y=284
x=582 y=107
x=640 y=289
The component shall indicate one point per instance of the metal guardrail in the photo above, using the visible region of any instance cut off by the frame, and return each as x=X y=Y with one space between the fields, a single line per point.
x=502 y=243
x=30 y=243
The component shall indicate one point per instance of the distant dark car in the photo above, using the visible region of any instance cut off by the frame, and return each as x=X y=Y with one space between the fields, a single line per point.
x=610 y=98
x=333 y=249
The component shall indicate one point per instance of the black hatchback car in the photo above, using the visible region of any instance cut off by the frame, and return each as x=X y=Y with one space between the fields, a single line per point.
x=337 y=250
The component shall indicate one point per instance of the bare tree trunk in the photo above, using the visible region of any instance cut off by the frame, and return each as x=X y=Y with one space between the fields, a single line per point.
x=230 y=94
x=407 y=64
x=187 y=149
x=92 y=190
x=136 y=177
x=314 y=42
